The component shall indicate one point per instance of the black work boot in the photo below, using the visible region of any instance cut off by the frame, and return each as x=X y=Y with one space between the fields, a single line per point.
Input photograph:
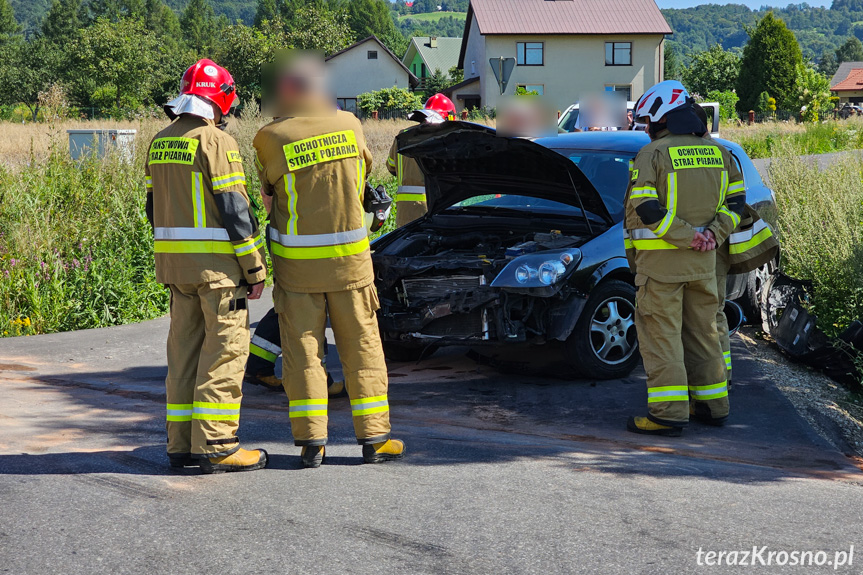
x=182 y=460
x=312 y=456
x=388 y=450
x=701 y=413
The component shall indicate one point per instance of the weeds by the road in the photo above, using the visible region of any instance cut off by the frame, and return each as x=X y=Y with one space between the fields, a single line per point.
x=769 y=139
x=821 y=230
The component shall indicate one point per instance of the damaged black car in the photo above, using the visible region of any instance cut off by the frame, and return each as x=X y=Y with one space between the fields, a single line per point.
x=518 y=247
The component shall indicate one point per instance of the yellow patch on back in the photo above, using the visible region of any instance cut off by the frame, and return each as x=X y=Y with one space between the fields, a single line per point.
x=684 y=157
x=319 y=149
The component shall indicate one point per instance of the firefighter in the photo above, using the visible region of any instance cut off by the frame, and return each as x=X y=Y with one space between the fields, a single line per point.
x=685 y=196
x=411 y=193
x=209 y=252
x=314 y=159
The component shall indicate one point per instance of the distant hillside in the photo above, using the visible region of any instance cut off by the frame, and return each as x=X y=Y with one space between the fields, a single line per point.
x=31 y=12
x=817 y=29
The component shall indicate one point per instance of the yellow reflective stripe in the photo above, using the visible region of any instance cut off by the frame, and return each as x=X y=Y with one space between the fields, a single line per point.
x=723 y=190
x=727 y=356
x=391 y=162
x=263 y=353
x=736 y=187
x=369 y=405
x=361 y=177
x=400 y=170
x=258 y=163
x=670 y=206
x=199 y=208
x=148 y=182
x=209 y=411
x=248 y=246
x=229 y=180
x=748 y=245
x=667 y=393
x=193 y=247
x=656 y=244
x=173 y=151
x=179 y=412
x=319 y=149
x=627 y=243
x=307 y=407
x=707 y=392
x=411 y=198
x=290 y=190
x=320 y=252
x=644 y=192
x=735 y=218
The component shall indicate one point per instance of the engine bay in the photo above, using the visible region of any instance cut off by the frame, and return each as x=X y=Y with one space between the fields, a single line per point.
x=434 y=282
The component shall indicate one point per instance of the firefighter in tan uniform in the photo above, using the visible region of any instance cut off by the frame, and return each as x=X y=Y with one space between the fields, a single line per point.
x=685 y=197
x=209 y=252
x=314 y=160
x=411 y=193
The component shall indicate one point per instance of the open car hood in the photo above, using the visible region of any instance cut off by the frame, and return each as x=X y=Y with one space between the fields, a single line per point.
x=461 y=160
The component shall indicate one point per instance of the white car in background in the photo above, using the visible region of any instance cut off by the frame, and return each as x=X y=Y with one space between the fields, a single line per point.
x=568 y=121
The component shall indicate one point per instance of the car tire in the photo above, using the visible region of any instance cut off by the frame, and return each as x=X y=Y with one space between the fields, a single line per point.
x=603 y=344
x=406 y=353
x=750 y=301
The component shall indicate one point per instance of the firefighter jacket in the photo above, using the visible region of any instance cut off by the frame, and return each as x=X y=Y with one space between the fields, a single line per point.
x=203 y=225
x=680 y=184
x=316 y=169
x=411 y=193
x=752 y=244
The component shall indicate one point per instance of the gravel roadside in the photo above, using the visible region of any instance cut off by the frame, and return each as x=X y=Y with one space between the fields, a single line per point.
x=832 y=410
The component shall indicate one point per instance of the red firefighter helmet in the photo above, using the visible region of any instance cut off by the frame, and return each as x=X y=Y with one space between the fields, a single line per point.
x=208 y=80
x=442 y=105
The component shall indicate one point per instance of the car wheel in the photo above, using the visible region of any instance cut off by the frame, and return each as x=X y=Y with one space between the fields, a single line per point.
x=394 y=351
x=603 y=344
x=750 y=301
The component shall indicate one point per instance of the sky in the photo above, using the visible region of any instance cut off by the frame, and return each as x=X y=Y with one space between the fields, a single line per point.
x=751 y=3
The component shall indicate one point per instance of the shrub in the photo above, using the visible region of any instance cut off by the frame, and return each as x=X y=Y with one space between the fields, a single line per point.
x=727 y=100
x=821 y=230
x=391 y=99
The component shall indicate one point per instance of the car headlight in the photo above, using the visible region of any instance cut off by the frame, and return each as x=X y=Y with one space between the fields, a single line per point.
x=538 y=270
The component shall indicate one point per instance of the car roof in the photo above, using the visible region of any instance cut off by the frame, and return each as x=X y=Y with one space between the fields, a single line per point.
x=628 y=141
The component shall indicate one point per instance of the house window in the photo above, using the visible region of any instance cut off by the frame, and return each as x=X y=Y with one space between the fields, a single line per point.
x=531 y=88
x=373 y=54
x=621 y=89
x=529 y=53
x=618 y=53
x=347 y=104
x=422 y=70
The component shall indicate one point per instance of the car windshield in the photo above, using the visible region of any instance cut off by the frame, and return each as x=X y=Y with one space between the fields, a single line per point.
x=608 y=172
x=569 y=120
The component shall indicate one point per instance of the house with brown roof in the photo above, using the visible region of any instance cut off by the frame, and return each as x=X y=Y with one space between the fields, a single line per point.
x=847 y=82
x=564 y=49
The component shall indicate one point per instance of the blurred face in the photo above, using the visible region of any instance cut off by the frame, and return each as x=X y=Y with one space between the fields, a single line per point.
x=299 y=86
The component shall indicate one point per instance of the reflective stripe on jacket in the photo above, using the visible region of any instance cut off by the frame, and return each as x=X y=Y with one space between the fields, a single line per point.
x=411 y=193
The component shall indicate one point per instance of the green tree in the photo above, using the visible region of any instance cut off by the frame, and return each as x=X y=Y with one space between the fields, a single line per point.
x=8 y=25
x=713 y=69
x=671 y=63
x=63 y=21
x=850 y=51
x=437 y=82
x=320 y=29
x=244 y=51
x=770 y=61
x=392 y=99
x=456 y=75
x=727 y=100
x=813 y=94
x=367 y=17
x=267 y=11
x=124 y=59
x=395 y=41
x=199 y=25
x=28 y=69
x=828 y=64
x=162 y=20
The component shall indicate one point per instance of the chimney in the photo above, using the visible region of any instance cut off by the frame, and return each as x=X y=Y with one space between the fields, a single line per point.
x=433 y=42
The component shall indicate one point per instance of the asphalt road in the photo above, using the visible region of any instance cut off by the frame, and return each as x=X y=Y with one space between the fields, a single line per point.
x=508 y=471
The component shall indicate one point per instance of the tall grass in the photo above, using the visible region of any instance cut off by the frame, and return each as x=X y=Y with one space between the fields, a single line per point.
x=76 y=250
x=768 y=139
x=821 y=230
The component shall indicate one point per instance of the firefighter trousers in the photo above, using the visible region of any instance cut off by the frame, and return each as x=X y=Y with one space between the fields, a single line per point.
x=266 y=346
x=208 y=345
x=302 y=322
x=677 y=336
x=722 y=265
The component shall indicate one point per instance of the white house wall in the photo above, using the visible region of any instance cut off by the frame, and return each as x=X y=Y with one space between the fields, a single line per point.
x=352 y=73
